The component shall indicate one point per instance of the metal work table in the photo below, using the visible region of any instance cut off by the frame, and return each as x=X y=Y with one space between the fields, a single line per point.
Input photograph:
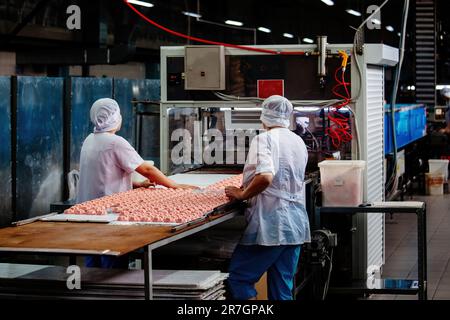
x=417 y=208
x=79 y=239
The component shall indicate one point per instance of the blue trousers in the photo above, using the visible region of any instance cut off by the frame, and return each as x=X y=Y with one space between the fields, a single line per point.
x=106 y=262
x=249 y=263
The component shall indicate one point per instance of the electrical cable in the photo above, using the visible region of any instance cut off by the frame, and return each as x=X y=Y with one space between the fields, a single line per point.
x=339 y=131
x=327 y=283
x=392 y=184
x=210 y=42
x=358 y=66
x=342 y=132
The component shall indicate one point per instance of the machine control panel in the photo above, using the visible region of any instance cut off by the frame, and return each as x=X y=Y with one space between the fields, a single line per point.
x=205 y=68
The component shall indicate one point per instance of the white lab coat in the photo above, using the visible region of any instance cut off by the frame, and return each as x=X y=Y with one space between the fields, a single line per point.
x=106 y=164
x=278 y=215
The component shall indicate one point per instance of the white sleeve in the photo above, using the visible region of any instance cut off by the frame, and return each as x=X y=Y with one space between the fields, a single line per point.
x=263 y=155
x=127 y=158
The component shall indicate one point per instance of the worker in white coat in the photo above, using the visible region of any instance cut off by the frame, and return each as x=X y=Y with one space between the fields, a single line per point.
x=278 y=223
x=107 y=162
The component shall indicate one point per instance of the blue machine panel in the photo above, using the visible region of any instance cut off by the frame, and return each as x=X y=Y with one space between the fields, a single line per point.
x=410 y=124
x=5 y=152
x=85 y=91
x=39 y=144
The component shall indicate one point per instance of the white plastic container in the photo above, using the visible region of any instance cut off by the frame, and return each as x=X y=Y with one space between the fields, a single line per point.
x=435 y=184
x=439 y=167
x=342 y=183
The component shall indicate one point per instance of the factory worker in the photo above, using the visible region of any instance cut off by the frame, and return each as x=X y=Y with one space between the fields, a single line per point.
x=278 y=223
x=107 y=162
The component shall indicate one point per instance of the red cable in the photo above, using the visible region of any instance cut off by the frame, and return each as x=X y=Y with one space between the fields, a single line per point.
x=228 y=45
x=339 y=132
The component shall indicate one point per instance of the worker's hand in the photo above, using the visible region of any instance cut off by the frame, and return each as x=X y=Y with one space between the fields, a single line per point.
x=234 y=193
x=144 y=184
x=185 y=187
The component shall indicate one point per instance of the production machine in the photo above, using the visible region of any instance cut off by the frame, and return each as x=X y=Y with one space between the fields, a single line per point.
x=211 y=104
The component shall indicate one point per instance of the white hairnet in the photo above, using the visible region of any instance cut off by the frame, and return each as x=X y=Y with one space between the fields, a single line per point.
x=446 y=92
x=277 y=112
x=105 y=115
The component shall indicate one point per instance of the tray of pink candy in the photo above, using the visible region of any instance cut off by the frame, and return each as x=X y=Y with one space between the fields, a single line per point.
x=158 y=205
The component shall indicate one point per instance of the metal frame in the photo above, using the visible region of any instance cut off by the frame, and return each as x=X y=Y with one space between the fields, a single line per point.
x=167 y=105
x=148 y=258
x=396 y=207
x=373 y=55
x=148 y=249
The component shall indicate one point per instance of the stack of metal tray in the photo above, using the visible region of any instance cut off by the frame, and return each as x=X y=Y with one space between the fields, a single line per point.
x=50 y=282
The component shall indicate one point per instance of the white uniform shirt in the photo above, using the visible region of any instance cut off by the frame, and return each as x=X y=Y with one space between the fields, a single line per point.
x=106 y=164
x=278 y=215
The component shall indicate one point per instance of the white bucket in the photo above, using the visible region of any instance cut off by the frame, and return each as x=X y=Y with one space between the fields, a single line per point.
x=439 y=167
x=435 y=184
x=342 y=183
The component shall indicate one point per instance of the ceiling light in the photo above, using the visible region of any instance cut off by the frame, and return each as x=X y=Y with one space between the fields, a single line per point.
x=328 y=2
x=390 y=28
x=354 y=12
x=192 y=14
x=308 y=40
x=234 y=23
x=376 y=21
x=288 y=35
x=141 y=3
x=266 y=30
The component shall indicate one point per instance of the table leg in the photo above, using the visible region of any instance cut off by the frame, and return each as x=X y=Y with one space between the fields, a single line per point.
x=148 y=274
x=422 y=259
x=425 y=252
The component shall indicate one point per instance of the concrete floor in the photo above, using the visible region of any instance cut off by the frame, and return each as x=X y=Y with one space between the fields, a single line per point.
x=401 y=252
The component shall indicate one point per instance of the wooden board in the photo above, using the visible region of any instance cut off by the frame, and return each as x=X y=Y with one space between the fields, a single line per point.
x=76 y=238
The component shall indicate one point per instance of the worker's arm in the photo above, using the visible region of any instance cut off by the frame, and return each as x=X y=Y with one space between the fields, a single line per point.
x=143 y=184
x=157 y=177
x=258 y=185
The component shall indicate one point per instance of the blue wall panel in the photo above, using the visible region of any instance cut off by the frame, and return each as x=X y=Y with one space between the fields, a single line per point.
x=5 y=151
x=125 y=91
x=85 y=91
x=39 y=144
x=149 y=90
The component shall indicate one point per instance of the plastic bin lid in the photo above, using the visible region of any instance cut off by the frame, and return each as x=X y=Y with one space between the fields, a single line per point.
x=432 y=174
x=342 y=163
x=439 y=161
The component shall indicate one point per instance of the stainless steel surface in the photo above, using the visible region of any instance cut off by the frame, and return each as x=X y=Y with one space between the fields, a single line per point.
x=195 y=230
x=60 y=251
x=32 y=220
x=322 y=45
